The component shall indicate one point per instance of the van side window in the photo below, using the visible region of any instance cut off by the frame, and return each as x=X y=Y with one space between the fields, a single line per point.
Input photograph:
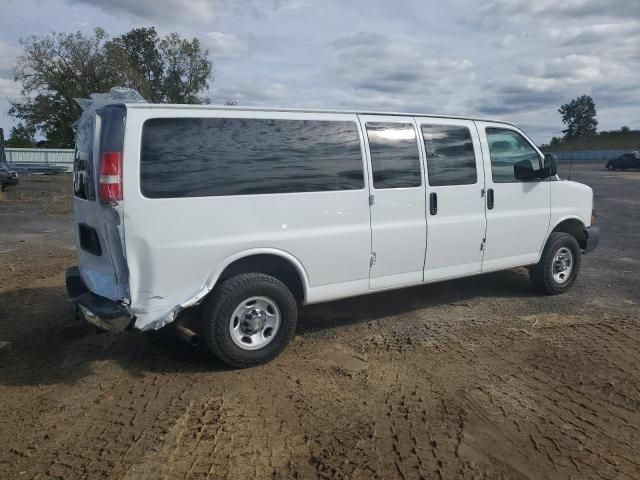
x=199 y=157
x=450 y=156
x=395 y=159
x=507 y=148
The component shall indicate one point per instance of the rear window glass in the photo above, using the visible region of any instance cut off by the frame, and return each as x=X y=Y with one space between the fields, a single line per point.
x=450 y=156
x=83 y=185
x=193 y=157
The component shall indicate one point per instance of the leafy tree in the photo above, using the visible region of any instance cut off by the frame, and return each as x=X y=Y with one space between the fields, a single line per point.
x=625 y=129
x=21 y=137
x=57 y=68
x=555 y=141
x=579 y=115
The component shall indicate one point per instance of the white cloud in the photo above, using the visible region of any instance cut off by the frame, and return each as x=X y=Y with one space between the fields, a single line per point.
x=9 y=89
x=8 y=54
x=564 y=8
x=397 y=71
x=191 y=12
x=225 y=45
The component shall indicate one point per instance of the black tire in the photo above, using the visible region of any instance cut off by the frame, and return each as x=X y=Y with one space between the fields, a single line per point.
x=223 y=301
x=610 y=167
x=541 y=274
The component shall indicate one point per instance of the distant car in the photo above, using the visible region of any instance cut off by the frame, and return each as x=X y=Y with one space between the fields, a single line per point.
x=8 y=177
x=624 y=161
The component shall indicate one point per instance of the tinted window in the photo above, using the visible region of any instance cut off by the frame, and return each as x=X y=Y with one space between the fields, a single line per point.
x=83 y=158
x=193 y=157
x=506 y=149
x=450 y=156
x=394 y=155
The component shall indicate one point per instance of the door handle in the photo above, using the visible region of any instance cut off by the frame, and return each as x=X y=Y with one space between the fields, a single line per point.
x=433 y=203
x=490 y=199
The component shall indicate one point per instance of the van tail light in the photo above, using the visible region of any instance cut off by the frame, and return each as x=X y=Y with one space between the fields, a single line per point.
x=110 y=180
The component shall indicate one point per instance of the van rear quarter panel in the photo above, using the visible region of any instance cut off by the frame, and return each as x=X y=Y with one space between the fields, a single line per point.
x=176 y=247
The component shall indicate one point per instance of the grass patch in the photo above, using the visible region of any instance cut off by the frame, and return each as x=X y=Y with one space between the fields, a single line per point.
x=59 y=205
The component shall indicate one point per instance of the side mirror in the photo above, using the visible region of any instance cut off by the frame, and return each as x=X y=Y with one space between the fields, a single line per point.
x=523 y=170
x=550 y=168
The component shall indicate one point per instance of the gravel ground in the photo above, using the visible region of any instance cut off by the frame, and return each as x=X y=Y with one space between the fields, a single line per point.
x=473 y=378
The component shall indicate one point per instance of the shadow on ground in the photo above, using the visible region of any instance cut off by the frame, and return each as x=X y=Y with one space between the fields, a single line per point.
x=51 y=346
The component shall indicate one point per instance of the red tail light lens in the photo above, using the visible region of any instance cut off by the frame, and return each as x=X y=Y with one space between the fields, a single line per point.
x=110 y=180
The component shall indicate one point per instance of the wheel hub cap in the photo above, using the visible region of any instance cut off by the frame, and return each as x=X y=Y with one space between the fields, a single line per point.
x=562 y=265
x=254 y=323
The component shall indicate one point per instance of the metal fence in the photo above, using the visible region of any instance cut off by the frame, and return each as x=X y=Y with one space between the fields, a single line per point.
x=594 y=156
x=43 y=160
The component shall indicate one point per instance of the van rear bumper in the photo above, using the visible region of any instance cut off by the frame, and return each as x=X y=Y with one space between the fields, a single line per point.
x=102 y=312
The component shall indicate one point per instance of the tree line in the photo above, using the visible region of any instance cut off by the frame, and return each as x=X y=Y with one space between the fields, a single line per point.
x=579 y=116
x=55 y=69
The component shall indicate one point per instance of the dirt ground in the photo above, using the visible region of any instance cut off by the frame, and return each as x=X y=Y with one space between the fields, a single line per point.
x=474 y=378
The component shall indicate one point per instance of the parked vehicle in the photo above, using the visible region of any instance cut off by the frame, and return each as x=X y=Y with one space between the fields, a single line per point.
x=250 y=213
x=624 y=161
x=8 y=177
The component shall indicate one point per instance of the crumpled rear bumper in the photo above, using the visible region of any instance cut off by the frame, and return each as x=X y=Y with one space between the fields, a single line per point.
x=102 y=312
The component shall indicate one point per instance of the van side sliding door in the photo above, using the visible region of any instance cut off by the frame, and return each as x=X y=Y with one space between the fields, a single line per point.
x=455 y=207
x=397 y=201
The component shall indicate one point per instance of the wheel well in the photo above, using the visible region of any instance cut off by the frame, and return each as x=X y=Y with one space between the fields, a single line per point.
x=573 y=227
x=273 y=265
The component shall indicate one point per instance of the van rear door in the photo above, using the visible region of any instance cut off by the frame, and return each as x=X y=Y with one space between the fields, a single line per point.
x=98 y=211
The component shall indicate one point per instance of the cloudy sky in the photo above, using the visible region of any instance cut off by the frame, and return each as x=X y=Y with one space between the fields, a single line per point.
x=510 y=59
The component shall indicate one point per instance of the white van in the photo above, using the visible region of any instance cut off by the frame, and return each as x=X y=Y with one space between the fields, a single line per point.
x=249 y=213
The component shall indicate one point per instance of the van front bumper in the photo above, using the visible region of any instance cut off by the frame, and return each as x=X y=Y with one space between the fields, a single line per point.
x=102 y=312
x=592 y=234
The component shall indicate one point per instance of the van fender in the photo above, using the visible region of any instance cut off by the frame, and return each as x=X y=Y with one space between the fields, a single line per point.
x=552 y=227
x=213 y=279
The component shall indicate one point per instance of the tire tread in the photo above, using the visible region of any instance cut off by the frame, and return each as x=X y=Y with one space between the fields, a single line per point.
x=540 y=274
x=225 y=297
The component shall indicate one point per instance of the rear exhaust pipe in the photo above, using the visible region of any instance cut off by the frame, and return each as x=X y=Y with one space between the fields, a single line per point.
x=187 y=334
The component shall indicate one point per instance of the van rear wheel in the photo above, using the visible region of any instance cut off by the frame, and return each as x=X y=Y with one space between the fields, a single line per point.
x=559 y=265
x=249 y=319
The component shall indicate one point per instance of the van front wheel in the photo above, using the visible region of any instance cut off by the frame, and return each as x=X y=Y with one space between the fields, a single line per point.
x=559 y=265
x=249 y=319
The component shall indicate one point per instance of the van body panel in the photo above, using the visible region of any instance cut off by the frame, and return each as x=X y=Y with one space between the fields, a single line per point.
x=106 y=273
x=519 y=220
x=398 y=224
x=569 y=201
x=189 y=238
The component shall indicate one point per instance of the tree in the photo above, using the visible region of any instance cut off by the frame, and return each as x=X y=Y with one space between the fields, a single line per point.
x=21 y=137
x=579 y=115
x=625 y=129
x=57 y=68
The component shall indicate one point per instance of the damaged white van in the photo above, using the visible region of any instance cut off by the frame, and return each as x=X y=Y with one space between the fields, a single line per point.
x=249 y=213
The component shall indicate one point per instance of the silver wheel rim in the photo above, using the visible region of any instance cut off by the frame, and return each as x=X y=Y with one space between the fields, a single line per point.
x=562 y=265
x=254 y=323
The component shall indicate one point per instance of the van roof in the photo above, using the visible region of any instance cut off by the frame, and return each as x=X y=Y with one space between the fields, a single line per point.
x=142 y=105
